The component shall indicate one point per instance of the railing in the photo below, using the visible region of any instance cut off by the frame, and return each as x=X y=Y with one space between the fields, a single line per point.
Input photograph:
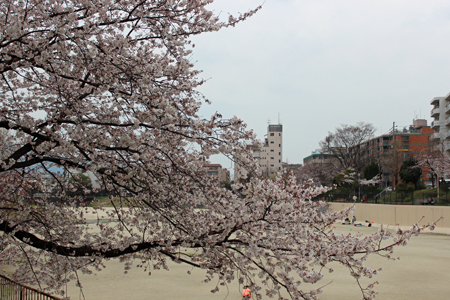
x=383 y=193
x=435 y=111
x=422 y=197
x=10 y=290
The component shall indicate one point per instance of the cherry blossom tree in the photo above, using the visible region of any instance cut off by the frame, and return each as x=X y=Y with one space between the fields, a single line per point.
x=108 y=87
x=434 y=161
x=321 y=174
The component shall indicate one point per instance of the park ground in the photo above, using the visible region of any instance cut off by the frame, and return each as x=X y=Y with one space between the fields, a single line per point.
x=420 y=273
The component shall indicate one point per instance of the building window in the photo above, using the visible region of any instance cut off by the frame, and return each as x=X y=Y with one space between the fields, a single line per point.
x=272 y=134
x=271 y=165
x=279 y=145
x=279 y=160
x=279 y=153
x=271 y=142
x=279 y=134
x=272 y=158
x=272 y=150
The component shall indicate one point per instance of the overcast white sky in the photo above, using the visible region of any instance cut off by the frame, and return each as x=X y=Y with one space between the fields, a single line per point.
x=322 y=63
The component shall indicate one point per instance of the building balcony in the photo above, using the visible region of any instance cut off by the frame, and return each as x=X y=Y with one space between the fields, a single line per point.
x=435 y=124
x=447 y=146
x=447 y=121
x=447 y=109
x=435 y=101
x=435 y=112
x=435 y=136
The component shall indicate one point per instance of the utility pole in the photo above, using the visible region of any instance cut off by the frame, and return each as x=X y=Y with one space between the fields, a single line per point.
x=437 y=184
x=359 y=184
x=395 y=167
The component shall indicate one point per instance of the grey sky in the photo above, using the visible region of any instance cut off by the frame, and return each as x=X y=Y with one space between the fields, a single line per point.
x=319 y=64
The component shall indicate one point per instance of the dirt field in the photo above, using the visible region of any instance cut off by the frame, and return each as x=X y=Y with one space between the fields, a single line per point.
x=421 y=273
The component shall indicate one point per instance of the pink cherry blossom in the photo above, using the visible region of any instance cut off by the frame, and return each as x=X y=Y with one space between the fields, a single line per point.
x=108 y=88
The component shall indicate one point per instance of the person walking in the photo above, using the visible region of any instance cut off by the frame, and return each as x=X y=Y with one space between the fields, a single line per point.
x=246 y=294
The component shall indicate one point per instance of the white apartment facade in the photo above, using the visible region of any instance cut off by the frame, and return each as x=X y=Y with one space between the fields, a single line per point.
x=441 y=120
x=269 y=156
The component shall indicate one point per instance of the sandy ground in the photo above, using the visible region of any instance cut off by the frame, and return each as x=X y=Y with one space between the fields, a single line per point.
x=421 y=273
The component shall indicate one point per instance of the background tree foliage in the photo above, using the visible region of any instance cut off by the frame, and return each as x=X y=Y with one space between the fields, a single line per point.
x=371 y=170
x=410 y=172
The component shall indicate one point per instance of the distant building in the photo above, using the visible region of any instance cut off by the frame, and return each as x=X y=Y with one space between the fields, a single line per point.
x=269 y=156
x=390 y=150
x=291 y=166
x=318 y=157
x=213 y=170
x=225 y=176
x=216 y=171
x=90 y=174
x=441 y=123
x=240 y=171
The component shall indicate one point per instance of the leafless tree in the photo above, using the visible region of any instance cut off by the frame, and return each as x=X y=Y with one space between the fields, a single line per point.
x=347 y=144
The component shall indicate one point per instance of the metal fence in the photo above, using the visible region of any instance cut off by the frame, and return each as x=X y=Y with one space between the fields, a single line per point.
x=425 y=197
x=10 y=290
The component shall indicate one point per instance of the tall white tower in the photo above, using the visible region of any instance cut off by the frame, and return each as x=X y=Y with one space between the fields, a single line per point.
x=274 y=148
x=269 y=156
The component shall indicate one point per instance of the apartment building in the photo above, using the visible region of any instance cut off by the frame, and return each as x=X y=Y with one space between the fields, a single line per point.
x=441 y=121
x=225 y=176
x=390 y=150
x=317 y=157
x=271 y=152
x=269 y=156
x=216 y=171
x=292 y=167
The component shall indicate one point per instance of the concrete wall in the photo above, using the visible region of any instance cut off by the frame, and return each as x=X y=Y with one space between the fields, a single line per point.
x=403 y=215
